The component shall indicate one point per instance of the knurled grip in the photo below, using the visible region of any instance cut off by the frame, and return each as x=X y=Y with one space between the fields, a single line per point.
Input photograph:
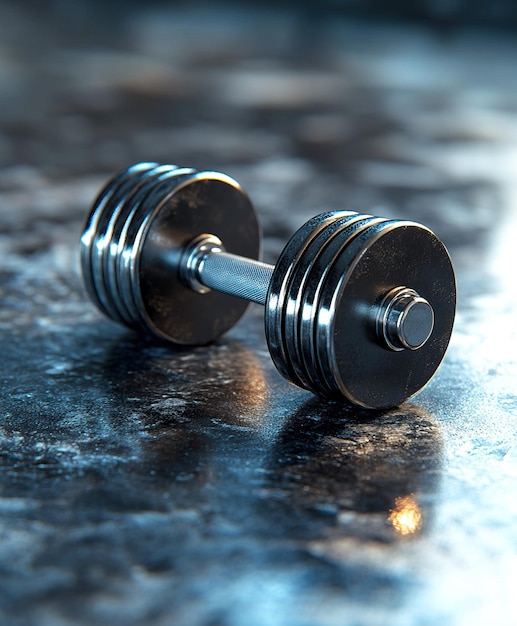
x=236 y=276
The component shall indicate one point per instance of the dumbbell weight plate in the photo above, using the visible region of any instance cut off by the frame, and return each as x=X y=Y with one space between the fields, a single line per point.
x=289 y=278
x=97 y=232
x=393 y=254
x=135 y=235
x=327 y=294
x=205 y=203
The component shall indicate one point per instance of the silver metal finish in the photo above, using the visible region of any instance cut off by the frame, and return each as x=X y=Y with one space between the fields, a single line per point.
x=192 y=259
x=357 y=307
x=206 y=265
x=135 y=236
x=405 y=320
x=329 y=290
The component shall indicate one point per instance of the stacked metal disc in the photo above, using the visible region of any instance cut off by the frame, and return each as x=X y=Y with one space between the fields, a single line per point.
x=325 y=299
x=109 y=249
x=134 y=237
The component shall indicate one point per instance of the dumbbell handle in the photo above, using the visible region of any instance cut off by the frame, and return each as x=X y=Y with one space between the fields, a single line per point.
x=405 y=320
x=206 y=265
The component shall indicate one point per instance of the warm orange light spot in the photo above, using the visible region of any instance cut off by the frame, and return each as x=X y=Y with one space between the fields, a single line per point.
x=406 y=517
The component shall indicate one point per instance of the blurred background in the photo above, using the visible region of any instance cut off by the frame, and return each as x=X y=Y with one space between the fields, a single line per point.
x=142 y=485
x=371 y=99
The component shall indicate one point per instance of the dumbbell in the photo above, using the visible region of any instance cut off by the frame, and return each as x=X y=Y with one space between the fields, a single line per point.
x=357 y=307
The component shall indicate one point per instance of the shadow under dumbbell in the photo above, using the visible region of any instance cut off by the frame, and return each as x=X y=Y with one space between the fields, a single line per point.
x=224 y=377
x=201 y=426
x=366 y=475
x=139 y=425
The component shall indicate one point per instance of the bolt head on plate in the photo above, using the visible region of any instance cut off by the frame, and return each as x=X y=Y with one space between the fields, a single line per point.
x=406 y=320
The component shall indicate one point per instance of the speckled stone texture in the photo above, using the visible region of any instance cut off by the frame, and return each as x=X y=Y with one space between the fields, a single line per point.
x=142 y=485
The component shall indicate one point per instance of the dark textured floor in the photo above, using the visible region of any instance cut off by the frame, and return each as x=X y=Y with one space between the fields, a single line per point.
x=145 y=486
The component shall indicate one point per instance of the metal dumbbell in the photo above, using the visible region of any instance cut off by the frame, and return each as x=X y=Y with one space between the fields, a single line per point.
x=357 y=307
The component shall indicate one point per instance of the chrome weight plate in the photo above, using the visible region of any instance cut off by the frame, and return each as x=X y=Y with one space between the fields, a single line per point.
x=351 y=355
x=135 y=235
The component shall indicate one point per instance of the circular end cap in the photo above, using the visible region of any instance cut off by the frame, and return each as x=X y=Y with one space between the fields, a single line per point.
x=406 y=320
